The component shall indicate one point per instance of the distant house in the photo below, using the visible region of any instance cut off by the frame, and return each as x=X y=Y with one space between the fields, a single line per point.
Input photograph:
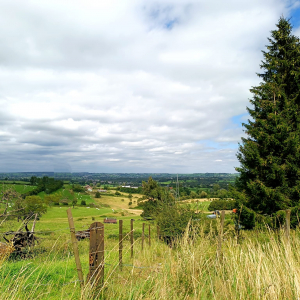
x=110 y=221
x=102 y=191
x=88 y=188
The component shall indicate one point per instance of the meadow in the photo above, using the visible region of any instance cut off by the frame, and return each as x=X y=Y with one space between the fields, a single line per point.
x=253 y=265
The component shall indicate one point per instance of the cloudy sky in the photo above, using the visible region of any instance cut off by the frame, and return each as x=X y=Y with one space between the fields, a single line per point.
x=129 y=85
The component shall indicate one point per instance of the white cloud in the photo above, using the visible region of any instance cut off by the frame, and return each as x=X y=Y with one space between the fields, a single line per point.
x=128 y=85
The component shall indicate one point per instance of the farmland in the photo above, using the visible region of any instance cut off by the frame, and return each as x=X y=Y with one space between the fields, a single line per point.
x=191 y=270
x=250 y=267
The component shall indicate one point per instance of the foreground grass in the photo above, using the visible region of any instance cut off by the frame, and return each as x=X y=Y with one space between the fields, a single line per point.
x=261 y=266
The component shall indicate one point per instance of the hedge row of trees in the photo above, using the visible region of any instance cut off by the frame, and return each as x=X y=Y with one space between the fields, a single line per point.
x=45 y=184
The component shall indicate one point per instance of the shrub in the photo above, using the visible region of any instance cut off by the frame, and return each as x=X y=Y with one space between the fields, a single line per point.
x=83 y=202
x=222 y=205
x=97 y=195
x=117 y=193
x=245 y=217
x=173 y=221
x=203 y=194
x=77 y=188
x=130 y=203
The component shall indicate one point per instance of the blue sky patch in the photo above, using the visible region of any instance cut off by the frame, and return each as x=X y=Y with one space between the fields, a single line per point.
x=295 y=17
x=239 y=119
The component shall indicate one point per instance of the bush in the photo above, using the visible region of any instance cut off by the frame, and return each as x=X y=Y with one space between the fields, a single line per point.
x=83 y=202
x=245 y=217
x=130 y=203
x=97 y=195
x=221 y=205
x=173 y=221
x=203 y=194
x=117 y=193
x=77 y=188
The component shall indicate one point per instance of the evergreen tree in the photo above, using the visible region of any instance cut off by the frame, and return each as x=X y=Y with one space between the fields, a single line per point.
x=270 y=154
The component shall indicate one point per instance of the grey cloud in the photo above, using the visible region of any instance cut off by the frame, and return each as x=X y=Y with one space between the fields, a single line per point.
x=87 y=89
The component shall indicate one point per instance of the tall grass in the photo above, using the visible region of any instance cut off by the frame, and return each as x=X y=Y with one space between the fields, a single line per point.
x=261 y=265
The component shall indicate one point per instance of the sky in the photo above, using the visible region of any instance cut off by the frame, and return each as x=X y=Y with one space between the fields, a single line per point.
x=130 y=85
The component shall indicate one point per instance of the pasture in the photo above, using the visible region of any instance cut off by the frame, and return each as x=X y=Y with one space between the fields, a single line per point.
x=253 y=265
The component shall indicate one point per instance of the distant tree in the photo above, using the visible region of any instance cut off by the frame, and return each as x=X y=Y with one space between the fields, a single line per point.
x=51 y=199
x=33 y=180
x=216 y=187
x=97 y=195
x=74 y=201
x=77 y=188
x=222 y=194
x=193 y=195
x=152 y=189
x=35 y=205
x=203 y=194
x=83 y=202
x=157 y=198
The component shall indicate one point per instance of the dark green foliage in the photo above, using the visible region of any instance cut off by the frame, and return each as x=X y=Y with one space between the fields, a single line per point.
x=270 y=154
x=83 y=202
x=278 y=219
x=77 y=188
x=45 y=184
x=157 y=196
x=152 y=189
x=173 y=220
x=97 y=195
x=221 y=205
x=74 y=201
x=245 y=217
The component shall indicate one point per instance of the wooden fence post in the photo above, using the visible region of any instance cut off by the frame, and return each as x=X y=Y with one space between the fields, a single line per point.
x=120 y=243
x=287 y=224
x=96 y=258
x=75 y=247
x=220 y=239
x=149 y=236
x=131 y=236
x=143 y=236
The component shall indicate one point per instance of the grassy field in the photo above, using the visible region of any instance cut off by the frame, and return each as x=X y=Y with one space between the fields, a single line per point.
x=260 y=265
x=255 y=265
x=20 y=188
